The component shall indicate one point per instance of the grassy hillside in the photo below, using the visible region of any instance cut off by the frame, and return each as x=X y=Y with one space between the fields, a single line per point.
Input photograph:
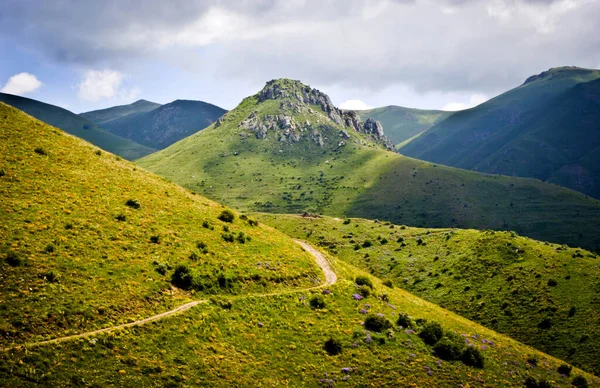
x=77 y=126
x=401 y=124
x=104 y=116
x=305 y=161
x=88 y=240
x=544 y=295
x=546 y=128
x=157 y=127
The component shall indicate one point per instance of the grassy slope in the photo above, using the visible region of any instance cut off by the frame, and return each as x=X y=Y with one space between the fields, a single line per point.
x=495 y=278
x=401 y=124
x=77 y=126
x=278 y=341
x=533 y=131
x=103 y=116
x=58 y=216
x=362 y=180
x=166 y=124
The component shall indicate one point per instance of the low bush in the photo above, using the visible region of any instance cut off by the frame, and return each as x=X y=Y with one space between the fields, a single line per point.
x=367 y=244
x=388 y=283
x=13 y=259
x=227 y=216
x=377 y=323
x=579 y=382
x=332 y=347
x=431 y=333
x=229 y=237
x=472 y=356
x=448 y=350
x=363 y=281
x=531 y=382
x=155 y=239
x=40 y=151
x=405 y=321
x=133 y=203
x=364 y=291
x=565 y=369
x=121 y=217
x=182 y=277
x=317 y=302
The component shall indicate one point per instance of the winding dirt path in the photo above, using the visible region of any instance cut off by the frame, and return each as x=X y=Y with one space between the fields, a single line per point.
x=330 y=278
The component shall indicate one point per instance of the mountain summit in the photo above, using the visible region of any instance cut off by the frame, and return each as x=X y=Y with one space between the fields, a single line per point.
x=306 y=113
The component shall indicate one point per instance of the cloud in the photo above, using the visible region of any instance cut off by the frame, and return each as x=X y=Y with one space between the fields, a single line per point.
x=475 y=100
x=428 y=46
x=355 y=105
x=104 y=84
x=21 y=83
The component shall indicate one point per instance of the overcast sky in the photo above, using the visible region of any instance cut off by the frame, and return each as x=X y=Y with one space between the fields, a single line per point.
x=447 y=54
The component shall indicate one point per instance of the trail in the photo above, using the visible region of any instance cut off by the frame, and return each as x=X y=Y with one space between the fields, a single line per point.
x=330 y=278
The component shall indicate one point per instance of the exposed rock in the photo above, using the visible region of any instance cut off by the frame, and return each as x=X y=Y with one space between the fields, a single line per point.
x=344 y=134
x=373 y=127
x=219 y=121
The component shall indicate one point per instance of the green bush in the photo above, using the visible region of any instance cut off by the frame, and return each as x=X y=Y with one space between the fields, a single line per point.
x=194 y=256
x=448 y=350
x=531 y=382
x=133 y=203
x=364 y=291
x=405 y=321
x=388 y=283
x=565 y=369
x=227 y=216
x=332 y=347
x=182 y=277
x=579 y=382
x=472 y=356
x=431 y=333
x=13 y=259
x=40 y=151
x=229 y=237
x=155 y=239
x=317 y=302
x=363 y=281
x=121 y=217
x=347 y=221
x=377 y=323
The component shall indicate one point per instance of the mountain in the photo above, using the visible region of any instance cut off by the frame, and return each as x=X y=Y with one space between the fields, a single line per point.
x=287 y=149
x=402 y=124
x=546 y=128
x=77 y=126
x=157 y=127
x=541 y=294
x=104 y=116
x=89 y=241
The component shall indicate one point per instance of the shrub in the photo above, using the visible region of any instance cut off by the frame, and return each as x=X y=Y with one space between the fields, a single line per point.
x=227 y=216
x=383 y=241
x=182 y=277
x=133 y=203
x=161 y=268
x=545 y=324
x=579 y=382
x=50 y=276
x=552 y=283
x=531 y=382
x=229 y=237
x=472 y=356
x=364 y=291
x=565 y=369
x=68 y=226
x=98 y=152
x=405 y=321
x=448 y=350
x=49 y=248
x=363 y=281
x=367 y=244
x=431 y=333
x=377 y=323
x=317 y=302
x=332 y=347
x=121 y=217
x=202 y=246
x=40 y=151
x=532 y=360
x=155 y=239
x=242 y=238
x=194 y=256
x=388 y=283
x=572 y=311
x=207 y=225
x=252 y=222
x=13 y=259
x=347 y=221
x=2 y=173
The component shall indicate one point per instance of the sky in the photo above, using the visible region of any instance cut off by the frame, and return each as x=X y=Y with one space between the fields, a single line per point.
x=446 y=54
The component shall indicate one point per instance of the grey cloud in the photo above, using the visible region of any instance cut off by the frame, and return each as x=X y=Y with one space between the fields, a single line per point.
x=353 y=43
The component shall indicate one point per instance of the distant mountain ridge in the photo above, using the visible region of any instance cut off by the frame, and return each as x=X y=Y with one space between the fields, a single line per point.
x=155 y=125
x=78 y=126
x=548 y=128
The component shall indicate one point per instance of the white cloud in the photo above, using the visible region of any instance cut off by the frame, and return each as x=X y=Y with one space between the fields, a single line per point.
x=475 y=100
x=104 y=84
x=21 y=83
x=355 y=105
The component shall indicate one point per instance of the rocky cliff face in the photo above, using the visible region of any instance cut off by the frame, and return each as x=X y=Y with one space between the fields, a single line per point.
x=302 y=109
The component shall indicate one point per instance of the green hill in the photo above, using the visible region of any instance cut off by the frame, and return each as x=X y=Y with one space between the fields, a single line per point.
x=402 y=123
x=288 y=150
x=90 y=241
x=104 y=116
x=157 y=126
x=77 y=126
x=544 y=295
x=546 y=128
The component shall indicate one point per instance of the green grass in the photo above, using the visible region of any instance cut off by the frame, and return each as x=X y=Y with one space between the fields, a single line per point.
x=360 y=179
x=503 y=281
x=74 y=256
x=105 y=116
x=401 y=124
x=77 y=126
x=545 y=129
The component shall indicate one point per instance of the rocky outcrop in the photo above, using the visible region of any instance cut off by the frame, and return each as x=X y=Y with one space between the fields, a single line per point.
x=373 y=127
